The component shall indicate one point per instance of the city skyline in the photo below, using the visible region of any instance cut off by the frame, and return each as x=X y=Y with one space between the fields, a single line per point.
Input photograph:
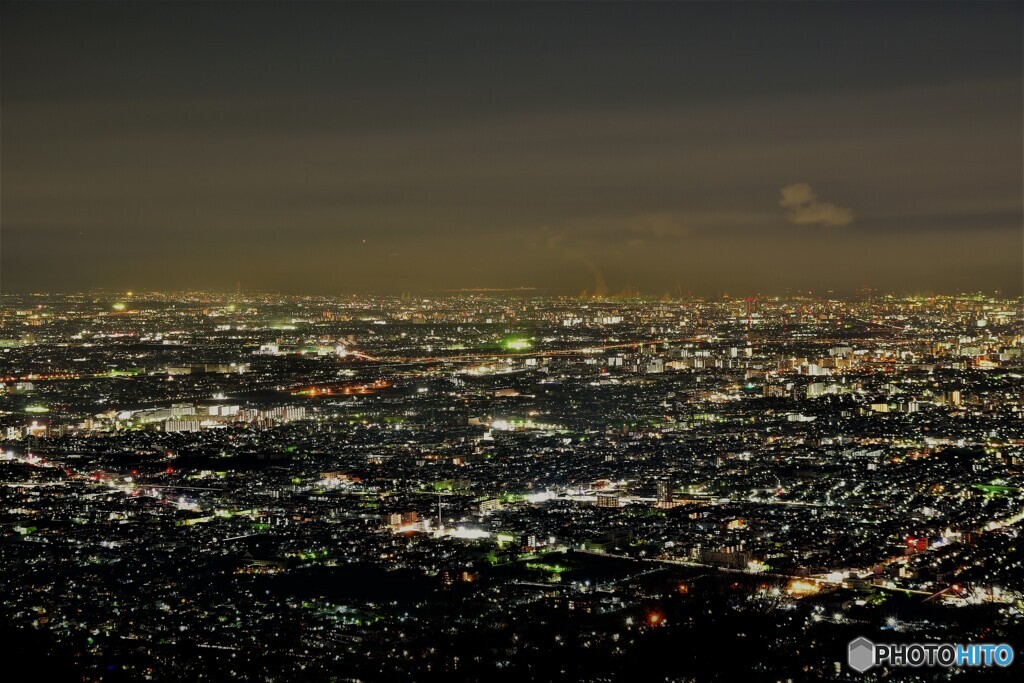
x=672 y=148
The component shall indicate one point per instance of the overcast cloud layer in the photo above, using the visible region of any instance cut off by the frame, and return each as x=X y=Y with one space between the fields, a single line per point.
x=338 y=148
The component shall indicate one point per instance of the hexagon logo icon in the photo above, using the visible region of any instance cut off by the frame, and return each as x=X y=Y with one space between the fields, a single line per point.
x=861 y=655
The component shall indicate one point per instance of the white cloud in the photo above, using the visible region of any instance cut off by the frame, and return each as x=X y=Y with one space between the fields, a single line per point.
x=805 y=209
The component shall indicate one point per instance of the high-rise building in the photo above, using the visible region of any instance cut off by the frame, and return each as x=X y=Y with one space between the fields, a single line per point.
x=665 y=491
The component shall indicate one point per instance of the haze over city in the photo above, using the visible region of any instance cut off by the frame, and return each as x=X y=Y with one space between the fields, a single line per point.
x=700 y=148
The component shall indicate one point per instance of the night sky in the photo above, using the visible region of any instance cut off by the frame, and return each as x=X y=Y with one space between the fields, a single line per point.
x=338 y=148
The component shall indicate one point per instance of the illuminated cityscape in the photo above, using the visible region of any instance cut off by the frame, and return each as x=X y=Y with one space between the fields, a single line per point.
x=535 y=341
x=482 y=485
